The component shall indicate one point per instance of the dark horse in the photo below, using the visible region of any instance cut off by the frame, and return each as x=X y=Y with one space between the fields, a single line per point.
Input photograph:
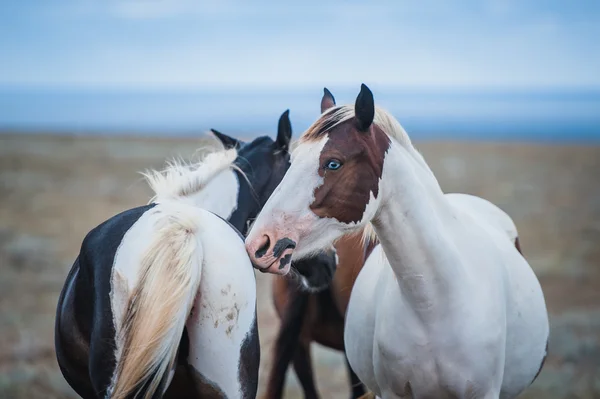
x=315 y=311
x=161 y=301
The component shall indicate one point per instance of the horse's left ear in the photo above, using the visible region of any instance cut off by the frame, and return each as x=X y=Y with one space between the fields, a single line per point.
x=364 y=108
x=227 y=141
x=328 y=101
x=284 y=131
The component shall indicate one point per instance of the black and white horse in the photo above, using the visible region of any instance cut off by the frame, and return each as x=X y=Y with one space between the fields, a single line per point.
x=161 y=301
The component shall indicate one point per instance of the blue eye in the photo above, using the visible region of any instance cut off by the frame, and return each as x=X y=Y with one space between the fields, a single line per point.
x=333 y=164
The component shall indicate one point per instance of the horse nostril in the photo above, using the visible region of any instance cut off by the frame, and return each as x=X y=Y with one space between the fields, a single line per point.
x=262 y=250
x=281 y=245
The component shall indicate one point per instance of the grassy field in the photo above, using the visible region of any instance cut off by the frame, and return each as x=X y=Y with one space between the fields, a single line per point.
x=53 y=190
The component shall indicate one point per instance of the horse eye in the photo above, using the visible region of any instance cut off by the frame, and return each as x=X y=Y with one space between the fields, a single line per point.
x=333 y=164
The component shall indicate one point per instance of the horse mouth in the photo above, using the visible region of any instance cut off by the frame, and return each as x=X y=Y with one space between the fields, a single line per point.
x=276 y=265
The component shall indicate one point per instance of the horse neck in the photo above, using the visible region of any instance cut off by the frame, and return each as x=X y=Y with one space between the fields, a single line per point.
x=410 y=226
x=219 y=195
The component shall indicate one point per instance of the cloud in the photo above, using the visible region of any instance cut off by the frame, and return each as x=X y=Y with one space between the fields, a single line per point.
x=153 y=9
x=182 y=43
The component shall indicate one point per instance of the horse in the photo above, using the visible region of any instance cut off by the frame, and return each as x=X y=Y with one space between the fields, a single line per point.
x=446 y=305
x=161 y=300
x=315 y=314
x=309 y=315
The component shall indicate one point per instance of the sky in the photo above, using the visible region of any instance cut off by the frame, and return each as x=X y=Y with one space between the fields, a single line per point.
x=271 y=44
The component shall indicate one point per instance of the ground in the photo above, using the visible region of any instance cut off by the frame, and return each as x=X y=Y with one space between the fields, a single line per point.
x=53 y=190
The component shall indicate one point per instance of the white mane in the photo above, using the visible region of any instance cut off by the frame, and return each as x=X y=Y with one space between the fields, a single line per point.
x=180 y=179
x=393 y=129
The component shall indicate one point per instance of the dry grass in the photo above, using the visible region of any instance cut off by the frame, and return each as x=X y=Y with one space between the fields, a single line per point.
x=53 y=190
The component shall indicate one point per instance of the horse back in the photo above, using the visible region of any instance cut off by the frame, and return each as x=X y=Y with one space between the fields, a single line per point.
x=84 y=329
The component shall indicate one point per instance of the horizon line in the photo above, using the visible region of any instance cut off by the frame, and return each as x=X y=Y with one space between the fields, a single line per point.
x=293 y=87
x=204 y=134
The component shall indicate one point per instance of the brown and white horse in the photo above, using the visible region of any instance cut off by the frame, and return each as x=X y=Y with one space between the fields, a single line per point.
x=316 y=311
x=309 y=315
x=317 y=315
x=446 y=306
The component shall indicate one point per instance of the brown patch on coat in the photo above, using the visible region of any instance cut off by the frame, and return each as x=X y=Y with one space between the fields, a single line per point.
x=345 y=192
x=229 y=330
x=323 y=317
x=188 y=383
x=233 y=313
x=352 y=253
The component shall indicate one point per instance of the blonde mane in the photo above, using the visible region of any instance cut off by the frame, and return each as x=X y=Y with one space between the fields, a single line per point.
x=368 y=234
x=181 y=179
x=383 y=119
x=338 y=115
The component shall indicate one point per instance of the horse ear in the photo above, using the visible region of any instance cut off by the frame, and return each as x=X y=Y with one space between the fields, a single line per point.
x=364 y=108
x=284 y=131
x=228 y=142
x=328 y=101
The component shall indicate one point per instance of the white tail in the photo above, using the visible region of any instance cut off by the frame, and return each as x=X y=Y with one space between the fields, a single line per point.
x=159 y=306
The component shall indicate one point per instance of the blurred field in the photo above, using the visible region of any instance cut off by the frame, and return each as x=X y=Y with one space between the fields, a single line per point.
x=53 y=190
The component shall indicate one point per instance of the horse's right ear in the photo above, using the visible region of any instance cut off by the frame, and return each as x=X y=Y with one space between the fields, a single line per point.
x=284 y=131
x=364 y=108
x=328 y=101
x=228 y=142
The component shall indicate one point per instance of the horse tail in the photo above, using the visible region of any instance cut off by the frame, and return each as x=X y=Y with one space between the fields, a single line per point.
x=158 y=307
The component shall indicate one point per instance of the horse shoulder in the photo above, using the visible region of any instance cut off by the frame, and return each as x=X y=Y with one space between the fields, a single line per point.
x=359 y=331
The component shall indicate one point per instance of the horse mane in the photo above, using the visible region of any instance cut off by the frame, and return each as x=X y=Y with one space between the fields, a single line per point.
x=383 y=119
x=368 y=234
x=338 y=115
x=181 y=179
